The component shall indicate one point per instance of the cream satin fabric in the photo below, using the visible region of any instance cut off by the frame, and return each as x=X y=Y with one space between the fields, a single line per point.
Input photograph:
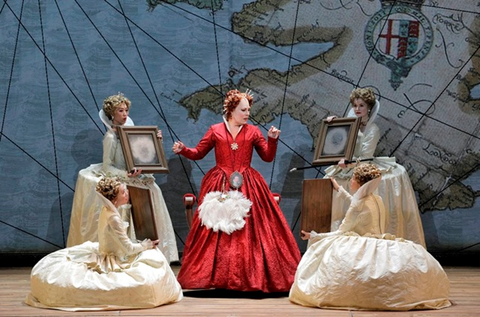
x=403 y=216
x=352 y=272
x=86 y=205
x=359 y=266
x=114 y=273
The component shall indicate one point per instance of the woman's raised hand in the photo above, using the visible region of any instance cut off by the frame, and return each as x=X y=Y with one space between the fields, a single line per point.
x=178 y=147
x=334 y=184
x=273 y=132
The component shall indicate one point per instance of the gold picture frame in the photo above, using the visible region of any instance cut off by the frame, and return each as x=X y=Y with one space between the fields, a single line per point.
x=142 y=149
x=336 y=140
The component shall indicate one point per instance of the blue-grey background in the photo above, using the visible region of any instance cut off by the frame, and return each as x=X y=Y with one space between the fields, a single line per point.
x=60 y=59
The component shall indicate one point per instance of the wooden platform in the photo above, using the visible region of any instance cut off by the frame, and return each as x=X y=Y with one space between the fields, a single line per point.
x=465 y=296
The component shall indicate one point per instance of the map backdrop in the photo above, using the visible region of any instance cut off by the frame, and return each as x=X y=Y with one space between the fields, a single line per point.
x=176 y=59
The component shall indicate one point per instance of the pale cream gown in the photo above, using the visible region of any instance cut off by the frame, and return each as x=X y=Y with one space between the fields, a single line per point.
x=361 y=267
x=403 y=217
x=86 y=206
x=114 y=273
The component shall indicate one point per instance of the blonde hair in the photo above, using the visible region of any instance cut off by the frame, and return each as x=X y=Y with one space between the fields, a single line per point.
x=364 y=173
x=232 y=100
x=109 y=187
x=113 y=102
x=366 y=94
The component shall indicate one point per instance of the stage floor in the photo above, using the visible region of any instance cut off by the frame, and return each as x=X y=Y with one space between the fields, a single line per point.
x=465 y=297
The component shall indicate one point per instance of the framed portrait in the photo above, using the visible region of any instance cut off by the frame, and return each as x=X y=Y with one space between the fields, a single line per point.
x=142 y=149
x=336 y=140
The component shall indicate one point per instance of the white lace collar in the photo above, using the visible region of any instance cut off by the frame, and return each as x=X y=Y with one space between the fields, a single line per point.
x=108 y=123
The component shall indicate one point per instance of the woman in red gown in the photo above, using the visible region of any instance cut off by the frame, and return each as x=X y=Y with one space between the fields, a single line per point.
x=227 y=249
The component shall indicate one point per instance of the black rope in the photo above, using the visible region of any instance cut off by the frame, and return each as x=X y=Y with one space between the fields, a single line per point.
x=160 y=108
x=30 y=234
x=54 y=143
x=370 y=56
x=433 y=103
x=46 y=59
x=151 y=85
x=36 y=161
x=51 y=64
x=160 y=44
x=159 y=112
x=216 y=46
x=425 y=114
x=11 y=70
x=436 y=6
x=78 y=59
x=259 y=43
x=285 y=87
x=470 y=171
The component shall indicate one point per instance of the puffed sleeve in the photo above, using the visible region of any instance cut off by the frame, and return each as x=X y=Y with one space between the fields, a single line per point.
x=128 y=247
x=265 y=149
x=345 y=195
x=351 y=219
x=370 y=141
x=110 y=144
x=205 y=145
x=314 y=236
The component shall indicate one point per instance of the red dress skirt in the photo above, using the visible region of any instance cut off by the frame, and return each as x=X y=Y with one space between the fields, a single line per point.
x=263 y=255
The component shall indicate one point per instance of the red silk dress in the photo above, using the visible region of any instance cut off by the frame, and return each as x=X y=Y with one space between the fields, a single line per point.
x=263 y=255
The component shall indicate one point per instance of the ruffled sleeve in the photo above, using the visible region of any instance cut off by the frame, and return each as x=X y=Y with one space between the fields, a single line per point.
x=205 y=145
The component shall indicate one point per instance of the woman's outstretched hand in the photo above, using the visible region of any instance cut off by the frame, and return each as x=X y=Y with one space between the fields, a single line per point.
x=334 y=183
x=305 y=235
x=178 y=147
x=273 y=132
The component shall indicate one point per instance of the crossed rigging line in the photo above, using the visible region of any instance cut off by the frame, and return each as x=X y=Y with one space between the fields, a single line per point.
x=161 y=113
x=47 y=79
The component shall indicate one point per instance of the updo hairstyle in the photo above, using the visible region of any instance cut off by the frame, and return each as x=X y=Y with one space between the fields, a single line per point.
x=113 y=102
x=109 y=187
x=366 y=94
x=364 y=173
x=232 y=100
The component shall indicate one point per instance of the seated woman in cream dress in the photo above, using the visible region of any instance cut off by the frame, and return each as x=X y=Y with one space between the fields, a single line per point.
x=361 y=267
x=111 y=274
x=86 y=207
x=395 y=188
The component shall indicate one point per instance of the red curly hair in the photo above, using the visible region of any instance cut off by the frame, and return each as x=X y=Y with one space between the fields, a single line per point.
x=232 y=99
